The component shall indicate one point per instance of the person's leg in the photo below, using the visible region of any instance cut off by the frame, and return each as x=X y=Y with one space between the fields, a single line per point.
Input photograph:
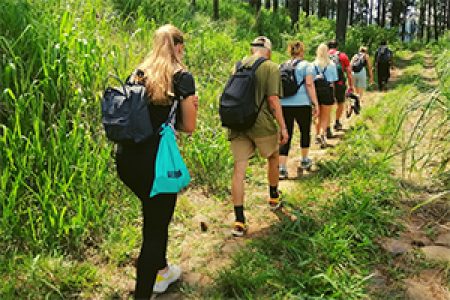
x=304 y=119
x=360 y=92
x=272 y=170
x=157 y=212
x=238 y=182
x=379 y=79
x=325 y=116
x=242 y=148
x=289 y=115
x=268 y=148
x=340 y=97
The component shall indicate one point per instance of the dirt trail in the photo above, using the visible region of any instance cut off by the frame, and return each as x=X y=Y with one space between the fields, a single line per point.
x=422 y=250
x=201 y=253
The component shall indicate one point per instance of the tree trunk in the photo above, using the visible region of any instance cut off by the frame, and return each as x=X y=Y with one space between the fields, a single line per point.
x=294 y=9
x=256 y=4
x=322 y=13
x=383 y=13
x=286 y=3
x=306 y=7
x=436 y=20
x=267 y=4
x=352 y=12
x=193 y=3
x=370 y=12
x=404 y=17
x=215 y=9
x=379 y=4
x=395 y=13
x=448 y=14
x=421 y=19
x=275 y=5
x=341 y=22
x=333 y=10
x=429 y=21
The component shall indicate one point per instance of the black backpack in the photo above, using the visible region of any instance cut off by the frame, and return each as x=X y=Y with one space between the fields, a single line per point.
x=384 y=55
x=125 y=115
x=358 y=62
x=238 y=109
x=288 y=78
x=321 y=84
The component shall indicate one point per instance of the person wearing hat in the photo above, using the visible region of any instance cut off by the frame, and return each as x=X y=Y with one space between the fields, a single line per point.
x=267 y=133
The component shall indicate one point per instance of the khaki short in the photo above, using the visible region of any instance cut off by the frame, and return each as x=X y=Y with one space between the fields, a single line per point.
x=243 y=146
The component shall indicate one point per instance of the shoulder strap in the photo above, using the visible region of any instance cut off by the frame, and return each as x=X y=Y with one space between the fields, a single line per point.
x=238 y=65
x=321 y=72
x=295 y=62
x=257 y=63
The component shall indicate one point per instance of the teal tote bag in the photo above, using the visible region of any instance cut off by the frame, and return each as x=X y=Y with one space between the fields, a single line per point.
x=171 y=173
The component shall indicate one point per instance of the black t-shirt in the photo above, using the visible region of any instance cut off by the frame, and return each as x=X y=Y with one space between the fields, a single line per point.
x=184 y=86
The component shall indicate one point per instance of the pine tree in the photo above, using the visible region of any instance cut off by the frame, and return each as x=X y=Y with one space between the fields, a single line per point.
x=341 y=22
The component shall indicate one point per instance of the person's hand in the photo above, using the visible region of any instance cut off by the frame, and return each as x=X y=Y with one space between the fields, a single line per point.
x=284 y=136
x=315 y=111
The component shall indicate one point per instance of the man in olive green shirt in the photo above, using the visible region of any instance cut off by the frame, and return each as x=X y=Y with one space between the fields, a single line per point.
x=265 y=135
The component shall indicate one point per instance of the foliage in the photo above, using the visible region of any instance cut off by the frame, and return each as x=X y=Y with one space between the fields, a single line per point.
x=370 y=36
x=59 y=194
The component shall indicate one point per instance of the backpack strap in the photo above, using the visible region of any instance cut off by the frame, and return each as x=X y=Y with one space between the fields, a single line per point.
x=257 y=63
x=255 y=66
x=321 y=73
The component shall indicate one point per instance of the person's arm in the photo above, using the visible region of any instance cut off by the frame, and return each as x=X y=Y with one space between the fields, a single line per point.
x=376 y=59
x=189 y=107
x=391 y=59
x=369 y=67
x=185 y=88
x=309 y=84
x=348 y=69
x=275 y=108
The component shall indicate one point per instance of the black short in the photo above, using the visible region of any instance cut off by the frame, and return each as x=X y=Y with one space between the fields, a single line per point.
x=339 y=92
x=326 y=98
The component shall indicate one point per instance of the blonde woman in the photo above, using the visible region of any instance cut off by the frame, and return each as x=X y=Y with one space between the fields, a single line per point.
x=325 y=74
x=164 y=76
x=360 y=65
x=299 y=108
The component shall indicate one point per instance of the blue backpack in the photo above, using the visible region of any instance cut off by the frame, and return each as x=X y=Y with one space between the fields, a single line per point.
x=171 y=173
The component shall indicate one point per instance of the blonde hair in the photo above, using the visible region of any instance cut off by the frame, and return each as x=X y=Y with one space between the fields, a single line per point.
x=363 y=49
x=296 y=48
x=161 y=64
x=322 y=57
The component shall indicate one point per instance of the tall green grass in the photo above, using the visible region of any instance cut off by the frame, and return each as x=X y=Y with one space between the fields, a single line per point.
x=56 y=180
x=59 y=193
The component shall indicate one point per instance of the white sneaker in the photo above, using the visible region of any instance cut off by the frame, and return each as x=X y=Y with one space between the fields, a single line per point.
x=163 y=281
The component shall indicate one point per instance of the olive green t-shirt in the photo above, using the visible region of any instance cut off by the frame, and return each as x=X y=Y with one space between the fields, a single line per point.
x=268 y=83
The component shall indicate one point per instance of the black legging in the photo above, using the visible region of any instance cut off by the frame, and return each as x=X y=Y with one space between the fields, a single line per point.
x=383 y=75
x=136 y=169
x=302 y=115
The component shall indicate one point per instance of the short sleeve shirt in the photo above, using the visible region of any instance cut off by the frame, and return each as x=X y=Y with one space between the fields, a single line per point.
x=330 y=71
x=343 y=58
x=268 y=83
x=301 y=98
